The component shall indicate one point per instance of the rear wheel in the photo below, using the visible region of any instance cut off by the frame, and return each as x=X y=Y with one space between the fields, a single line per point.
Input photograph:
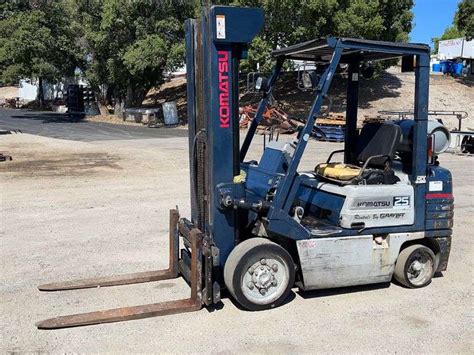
x=259 y=274
x=415 y=266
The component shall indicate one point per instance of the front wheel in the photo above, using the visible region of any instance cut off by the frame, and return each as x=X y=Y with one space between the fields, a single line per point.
x=415 y=266
x=259 y=274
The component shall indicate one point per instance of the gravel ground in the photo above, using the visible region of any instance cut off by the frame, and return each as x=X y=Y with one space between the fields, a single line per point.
x=82 y=209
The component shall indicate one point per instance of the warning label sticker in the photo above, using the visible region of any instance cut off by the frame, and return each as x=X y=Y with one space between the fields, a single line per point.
x=220 y=26
x=436 y=186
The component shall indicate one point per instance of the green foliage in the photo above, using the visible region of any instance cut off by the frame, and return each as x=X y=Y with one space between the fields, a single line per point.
x=464 y=18
x=361 y=18
x=36 y=41
x=132 y=43
x=128 y=44
x=291 y=21
x=8 y=8
x=463 y=24
x=146 y=56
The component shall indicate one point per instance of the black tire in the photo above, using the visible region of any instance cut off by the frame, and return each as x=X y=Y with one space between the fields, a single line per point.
x=246 y=255
x=406 y=261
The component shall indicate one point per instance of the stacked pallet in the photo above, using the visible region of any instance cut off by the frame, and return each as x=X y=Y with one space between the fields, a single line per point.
x=330 y=128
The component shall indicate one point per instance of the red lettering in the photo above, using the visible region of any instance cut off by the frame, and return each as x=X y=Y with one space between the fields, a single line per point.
x=223 y=56
x=224 y=112
x=223 y=99
x=223 y=67
x=223 y=78
x=224 y=87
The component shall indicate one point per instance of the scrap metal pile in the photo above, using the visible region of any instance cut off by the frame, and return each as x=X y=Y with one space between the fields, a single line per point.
x=272 y=117
x=10 y=102
x=329 y=128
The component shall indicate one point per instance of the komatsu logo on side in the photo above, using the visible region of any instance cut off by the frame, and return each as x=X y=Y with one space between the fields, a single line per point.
x=369 y=204
x=223 y=77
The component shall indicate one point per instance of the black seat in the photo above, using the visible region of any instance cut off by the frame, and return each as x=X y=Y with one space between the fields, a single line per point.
x=377 y=139
x=376 y=147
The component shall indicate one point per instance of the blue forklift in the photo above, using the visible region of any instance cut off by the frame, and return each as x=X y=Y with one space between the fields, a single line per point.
x=384 y=210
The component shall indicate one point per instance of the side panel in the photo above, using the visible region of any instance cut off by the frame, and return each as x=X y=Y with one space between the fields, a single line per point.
x=321 y=204
x=359 y=206
x=349 y=261
x=378 y=206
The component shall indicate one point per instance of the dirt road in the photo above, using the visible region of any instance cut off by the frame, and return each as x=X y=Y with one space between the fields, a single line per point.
x=81 y=209
x=58 y=125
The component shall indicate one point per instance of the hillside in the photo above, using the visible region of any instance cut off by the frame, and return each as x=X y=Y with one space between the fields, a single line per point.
x=8 y=92
x=392 y=90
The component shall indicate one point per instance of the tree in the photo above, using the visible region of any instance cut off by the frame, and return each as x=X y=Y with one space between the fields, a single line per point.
x=464 y=18
x=37 y=41
x=126 y=45
x=463 y=24
x=290 y=21
x=131 y=43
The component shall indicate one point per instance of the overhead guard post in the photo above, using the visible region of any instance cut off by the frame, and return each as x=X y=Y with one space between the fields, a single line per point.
x=261 y=108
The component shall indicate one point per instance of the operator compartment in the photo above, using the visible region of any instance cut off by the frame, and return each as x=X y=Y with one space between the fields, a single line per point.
x=370 y=192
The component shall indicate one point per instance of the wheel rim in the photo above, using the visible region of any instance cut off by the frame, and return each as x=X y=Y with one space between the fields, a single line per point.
x=420 y=268
x=265 y=281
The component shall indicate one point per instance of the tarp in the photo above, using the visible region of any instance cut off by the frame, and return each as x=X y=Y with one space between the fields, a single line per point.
x=456 y=48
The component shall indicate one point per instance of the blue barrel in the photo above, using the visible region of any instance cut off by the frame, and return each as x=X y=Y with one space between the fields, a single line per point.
x=444 y=64
x=436 y=67
x=450 y=67
x=457 y=68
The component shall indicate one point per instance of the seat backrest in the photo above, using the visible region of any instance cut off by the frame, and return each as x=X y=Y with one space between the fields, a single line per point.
x=378 y=139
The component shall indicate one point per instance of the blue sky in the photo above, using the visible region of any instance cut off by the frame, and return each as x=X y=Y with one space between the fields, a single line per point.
x=431 y=18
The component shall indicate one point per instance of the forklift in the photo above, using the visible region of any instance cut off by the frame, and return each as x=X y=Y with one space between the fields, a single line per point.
x=384 y=210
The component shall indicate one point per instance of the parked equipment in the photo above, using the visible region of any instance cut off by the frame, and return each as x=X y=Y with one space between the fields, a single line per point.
x=75 y=101
x=80 y=101
x=260 y=228
x=404 y=114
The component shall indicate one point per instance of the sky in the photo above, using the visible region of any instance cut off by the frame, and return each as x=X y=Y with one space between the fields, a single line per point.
x=431 y=19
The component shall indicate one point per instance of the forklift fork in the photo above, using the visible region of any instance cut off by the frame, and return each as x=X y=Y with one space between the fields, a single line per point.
x=193 y=303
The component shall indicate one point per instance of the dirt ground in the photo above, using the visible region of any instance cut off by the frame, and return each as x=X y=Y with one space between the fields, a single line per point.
x=390 y=90
x=8 y=92
x=74 y=209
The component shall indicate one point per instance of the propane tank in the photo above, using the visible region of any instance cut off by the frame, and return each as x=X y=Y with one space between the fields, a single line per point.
x=441 y=135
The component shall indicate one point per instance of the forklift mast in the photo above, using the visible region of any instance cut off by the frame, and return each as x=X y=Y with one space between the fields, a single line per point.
x=215 y=44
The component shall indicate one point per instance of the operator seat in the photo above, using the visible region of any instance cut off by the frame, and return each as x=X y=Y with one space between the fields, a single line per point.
x=376 y=147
